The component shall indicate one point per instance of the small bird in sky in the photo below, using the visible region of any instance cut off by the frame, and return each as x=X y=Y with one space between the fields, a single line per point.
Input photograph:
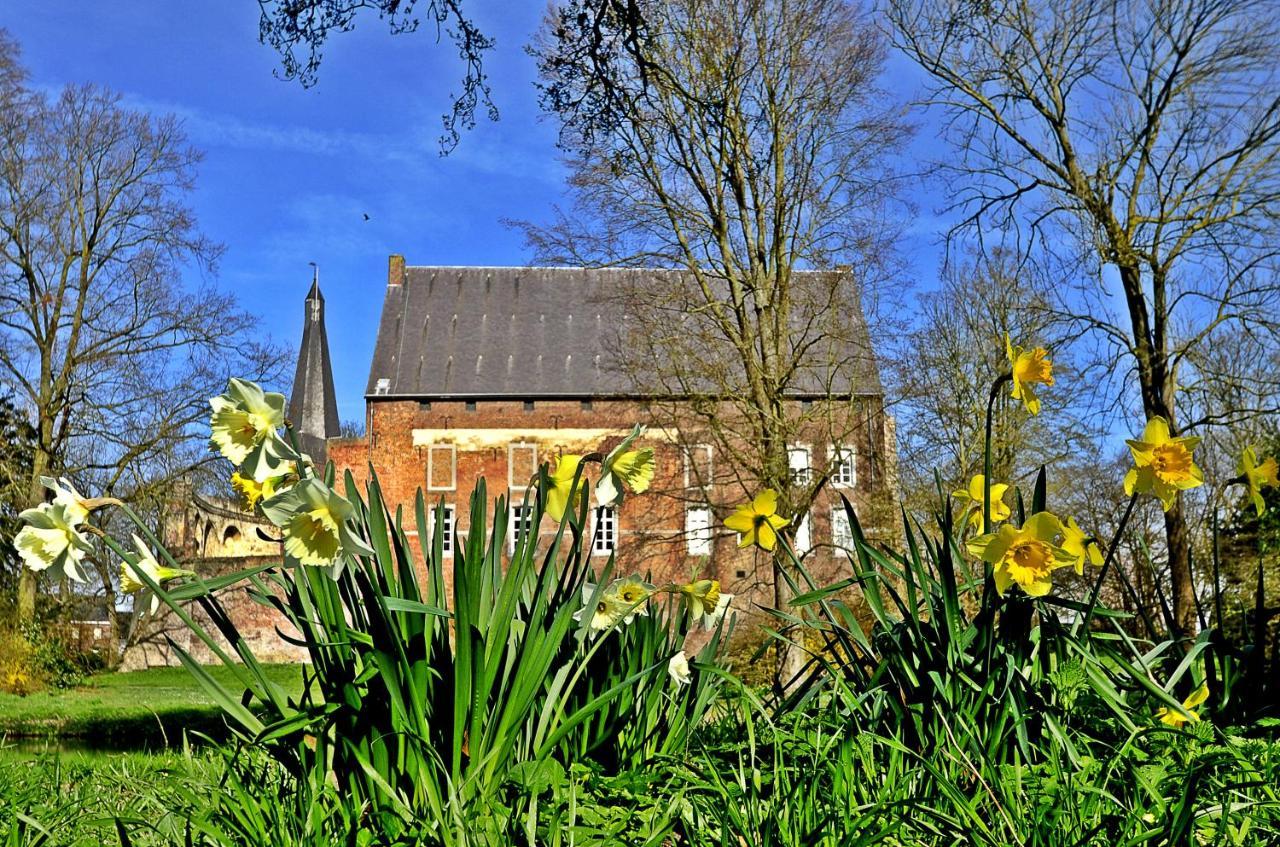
x=366 y=215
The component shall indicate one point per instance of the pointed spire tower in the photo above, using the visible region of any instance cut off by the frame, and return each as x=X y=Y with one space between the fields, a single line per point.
x=313 y=408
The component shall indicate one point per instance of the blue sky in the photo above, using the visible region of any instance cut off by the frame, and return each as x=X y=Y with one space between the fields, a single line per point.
x=289 y=173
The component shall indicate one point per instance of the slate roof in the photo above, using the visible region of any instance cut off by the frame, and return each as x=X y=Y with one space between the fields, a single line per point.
x=313 y=403
x=522 y=332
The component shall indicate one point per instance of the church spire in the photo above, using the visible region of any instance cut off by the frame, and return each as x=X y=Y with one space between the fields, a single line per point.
x=313 y=407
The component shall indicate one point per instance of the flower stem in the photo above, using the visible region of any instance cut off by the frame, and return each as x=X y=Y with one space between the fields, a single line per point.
x=986 y=451
x=1102 y=574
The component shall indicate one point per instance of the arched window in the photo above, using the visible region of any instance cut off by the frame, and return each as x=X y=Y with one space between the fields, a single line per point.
x=231 y=533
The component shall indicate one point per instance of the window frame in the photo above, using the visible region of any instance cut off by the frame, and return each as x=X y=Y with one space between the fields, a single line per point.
x=512 y=447
x=843 y=457
x=518 y=515
x=450 y=524
x=609 y=516
x=838 y=519
x=699 y=541
x=453 y=467
x=804 y=530
x=800 y=476
x=687 y=452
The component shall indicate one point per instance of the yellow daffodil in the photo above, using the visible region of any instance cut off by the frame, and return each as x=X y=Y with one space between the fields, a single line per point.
x=678 y=668
x=706 y=602
x=973 y=500
x=243 y=427
x=632 y=594
x=1255 y=475
x=605 y=608
x=250 y=492
x=1031 y=367
x=52 y=538
x=1026 y=556
x=563 y=494
x=624 y=468
x=1171 y=717
x=315 y=523
x=758 y=522
x=145 y=563
x=1163 y=465
x=1080 y=546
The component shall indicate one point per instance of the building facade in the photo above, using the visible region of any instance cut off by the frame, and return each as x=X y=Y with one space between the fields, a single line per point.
x=486 y=373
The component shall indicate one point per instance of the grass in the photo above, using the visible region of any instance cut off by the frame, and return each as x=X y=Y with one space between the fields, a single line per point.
x=144 y=709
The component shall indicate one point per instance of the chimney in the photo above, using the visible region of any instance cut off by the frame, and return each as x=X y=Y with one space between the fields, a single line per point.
x=395 y=270
x=313 y=408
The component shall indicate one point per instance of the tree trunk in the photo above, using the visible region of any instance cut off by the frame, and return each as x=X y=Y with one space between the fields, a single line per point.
x=35 y=496
x=1184 y=600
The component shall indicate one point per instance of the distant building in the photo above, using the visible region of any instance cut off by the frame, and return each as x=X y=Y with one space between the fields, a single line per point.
x=482 y=372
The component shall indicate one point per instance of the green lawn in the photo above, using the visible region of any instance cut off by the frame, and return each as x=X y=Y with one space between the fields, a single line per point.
x=148 y=708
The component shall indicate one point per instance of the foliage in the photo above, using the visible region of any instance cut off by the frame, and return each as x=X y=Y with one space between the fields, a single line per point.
x=17 y=448
x=422 y=698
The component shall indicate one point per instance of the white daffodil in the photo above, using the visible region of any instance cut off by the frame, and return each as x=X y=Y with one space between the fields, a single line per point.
x=712 y=618
x=52 y=539
x=145 y=563
x=625 y=469
x=65 y=495
x=632 y=594
x=315 y=523
x=244 y=428
x=678 y=668
x=605 y=610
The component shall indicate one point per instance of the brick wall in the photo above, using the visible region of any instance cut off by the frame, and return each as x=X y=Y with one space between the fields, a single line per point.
x=446 y=447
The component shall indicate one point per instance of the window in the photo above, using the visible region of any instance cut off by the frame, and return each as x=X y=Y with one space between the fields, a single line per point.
x=424 y=405
x=697 y=530
x=470 y=405
x=443 y=529
x=528 y=405
x=697 y=465
x=442 y=467
x=844 y=467
x=519 y=526
x=841 y=532
x=803 y=542
x=522 y=464
x=798 y=459
x=586 y=405
x=605 y=537
x=382 y=386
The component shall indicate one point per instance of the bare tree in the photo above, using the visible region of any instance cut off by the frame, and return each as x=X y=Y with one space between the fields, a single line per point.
x=109 y=351
x=741 y=141
x=1144 y=133
x=944 y=366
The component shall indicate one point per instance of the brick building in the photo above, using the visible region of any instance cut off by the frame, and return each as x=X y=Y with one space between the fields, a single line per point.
x=486 y=372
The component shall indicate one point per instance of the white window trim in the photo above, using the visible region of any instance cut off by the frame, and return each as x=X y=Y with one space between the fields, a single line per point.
x=842 y=455
x=804 y=531
x=688 y=451
x=808 y=464
x=838 y=518
x=451 y=522
x=596 y=549
x=512 y=448
x=517 y=513
x=453 y=467
x=700 y=541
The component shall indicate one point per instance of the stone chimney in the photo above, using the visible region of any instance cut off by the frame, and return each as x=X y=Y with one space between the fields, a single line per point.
x=313 y=408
